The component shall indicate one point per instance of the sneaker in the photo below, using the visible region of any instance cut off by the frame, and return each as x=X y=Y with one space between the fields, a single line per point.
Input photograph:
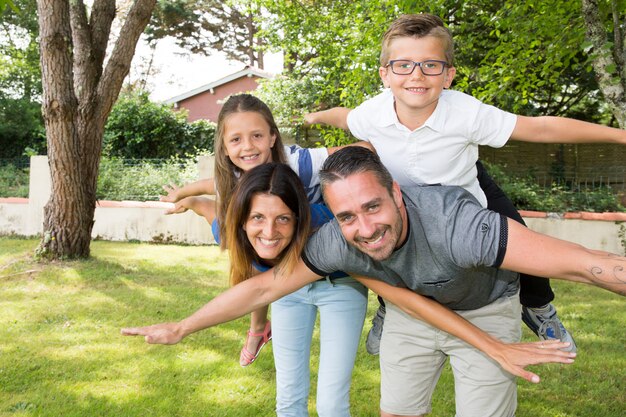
x=544 y=322
x=372 y=344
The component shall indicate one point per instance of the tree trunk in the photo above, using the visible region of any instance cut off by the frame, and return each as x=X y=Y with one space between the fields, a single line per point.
x=77 y=99
x=609 y=61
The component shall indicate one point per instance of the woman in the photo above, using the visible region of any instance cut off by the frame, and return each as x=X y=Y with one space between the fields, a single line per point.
x=267 y=224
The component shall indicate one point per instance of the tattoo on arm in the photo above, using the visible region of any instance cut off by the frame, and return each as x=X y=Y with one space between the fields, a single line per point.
x=614 y=274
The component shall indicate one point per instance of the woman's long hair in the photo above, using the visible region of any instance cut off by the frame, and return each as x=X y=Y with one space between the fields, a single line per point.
x=272 y=179
x=227 y=173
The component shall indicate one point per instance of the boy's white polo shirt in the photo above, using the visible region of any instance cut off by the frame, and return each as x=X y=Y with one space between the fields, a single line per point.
x=444 y=150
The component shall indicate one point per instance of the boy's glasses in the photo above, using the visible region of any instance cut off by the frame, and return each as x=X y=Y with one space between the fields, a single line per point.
x=406 y=66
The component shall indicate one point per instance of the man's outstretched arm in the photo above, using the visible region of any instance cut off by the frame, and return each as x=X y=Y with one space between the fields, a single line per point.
x=538 y=254
x=513 y=357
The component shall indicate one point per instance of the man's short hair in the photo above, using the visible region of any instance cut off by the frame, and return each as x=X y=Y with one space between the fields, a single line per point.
x=418 y=26
x=354 y=160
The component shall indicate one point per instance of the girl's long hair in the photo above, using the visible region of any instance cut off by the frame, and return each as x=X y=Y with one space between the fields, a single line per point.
x=272 y=179
x=227 y=173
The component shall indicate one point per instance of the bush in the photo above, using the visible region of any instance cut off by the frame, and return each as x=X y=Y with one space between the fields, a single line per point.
x=289 y=100
x=142 y=180
x=21 y=128
x=526 y=194
x=139 y=128
x=13 y=181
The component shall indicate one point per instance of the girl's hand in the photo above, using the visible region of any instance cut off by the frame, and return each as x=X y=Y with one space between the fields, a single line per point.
x=172 y=193
x=179 y=207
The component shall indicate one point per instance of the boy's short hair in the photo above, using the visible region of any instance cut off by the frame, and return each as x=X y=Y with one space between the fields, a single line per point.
x=418 y=26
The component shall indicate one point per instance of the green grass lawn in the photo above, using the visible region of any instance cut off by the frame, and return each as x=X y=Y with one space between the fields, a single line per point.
x=61 y=352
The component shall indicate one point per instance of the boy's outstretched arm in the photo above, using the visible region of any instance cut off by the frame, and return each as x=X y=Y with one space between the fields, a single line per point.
x=200 y=187
x=537 y=254
x=551 y=129
x=513 y=357
x=336 y=117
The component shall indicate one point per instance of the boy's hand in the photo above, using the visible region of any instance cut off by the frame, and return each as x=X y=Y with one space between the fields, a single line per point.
x=310 y=119
x=172 y=193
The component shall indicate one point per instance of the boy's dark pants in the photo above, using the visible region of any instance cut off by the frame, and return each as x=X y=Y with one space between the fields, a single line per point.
x=534 y=291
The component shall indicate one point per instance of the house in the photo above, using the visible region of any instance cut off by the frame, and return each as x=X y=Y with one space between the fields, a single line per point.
x=205 y=102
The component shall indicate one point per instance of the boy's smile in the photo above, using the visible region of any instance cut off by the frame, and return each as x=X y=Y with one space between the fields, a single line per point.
x=416 y=95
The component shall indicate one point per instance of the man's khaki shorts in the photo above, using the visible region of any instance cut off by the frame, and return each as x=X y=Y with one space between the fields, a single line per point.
x=413 y=353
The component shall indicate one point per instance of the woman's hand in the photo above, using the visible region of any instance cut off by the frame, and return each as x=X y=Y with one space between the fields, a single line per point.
x=514 y=357
x=163 y=334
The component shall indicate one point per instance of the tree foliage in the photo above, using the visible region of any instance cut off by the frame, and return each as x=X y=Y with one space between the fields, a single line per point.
x=139 y=128
x=526 y=57
x=21 y=124
x=4 y=4
x=206 y=26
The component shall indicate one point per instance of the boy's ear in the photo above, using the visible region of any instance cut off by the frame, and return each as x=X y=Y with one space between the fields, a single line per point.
x=384 y=72
x=449 y=77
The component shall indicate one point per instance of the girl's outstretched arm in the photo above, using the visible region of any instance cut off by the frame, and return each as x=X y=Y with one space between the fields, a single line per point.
x=200 y=187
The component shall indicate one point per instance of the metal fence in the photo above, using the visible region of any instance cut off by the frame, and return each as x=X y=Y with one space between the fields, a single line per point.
x=142 y=179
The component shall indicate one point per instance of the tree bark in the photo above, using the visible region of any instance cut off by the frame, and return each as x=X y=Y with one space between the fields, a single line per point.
x=609 y=63
x=78 y=93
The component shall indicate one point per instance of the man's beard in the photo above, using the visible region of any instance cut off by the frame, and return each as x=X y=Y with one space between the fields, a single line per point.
x=391 y=234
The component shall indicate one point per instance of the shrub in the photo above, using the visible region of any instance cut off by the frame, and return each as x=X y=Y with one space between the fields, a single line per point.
x=139 y=128
x=21 y=128
x=13 y=181
x=526 y=194
x=142 y=180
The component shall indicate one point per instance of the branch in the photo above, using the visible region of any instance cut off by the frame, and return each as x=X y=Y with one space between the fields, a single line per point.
x=119 y=64
x=604 y=58
x=85 y=76
x=102 y=16
x=56 y=62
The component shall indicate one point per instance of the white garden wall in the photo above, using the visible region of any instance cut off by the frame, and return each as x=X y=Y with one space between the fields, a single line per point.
x=145 y=221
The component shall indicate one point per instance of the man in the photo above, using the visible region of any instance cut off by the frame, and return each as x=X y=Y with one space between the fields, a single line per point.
x=435 y=241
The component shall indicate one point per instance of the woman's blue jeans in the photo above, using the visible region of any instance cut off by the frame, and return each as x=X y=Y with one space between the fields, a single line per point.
x=342 y=304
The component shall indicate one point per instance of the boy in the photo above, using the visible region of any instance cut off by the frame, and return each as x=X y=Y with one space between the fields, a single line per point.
x=425 y=133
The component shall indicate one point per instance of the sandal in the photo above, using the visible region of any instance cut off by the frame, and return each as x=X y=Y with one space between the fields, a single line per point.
x=246 y=357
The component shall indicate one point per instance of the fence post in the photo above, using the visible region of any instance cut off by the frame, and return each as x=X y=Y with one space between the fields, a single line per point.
x=39 y=188
x=206 y=166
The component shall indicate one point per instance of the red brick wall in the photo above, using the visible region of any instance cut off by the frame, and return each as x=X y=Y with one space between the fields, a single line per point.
x=205 y=105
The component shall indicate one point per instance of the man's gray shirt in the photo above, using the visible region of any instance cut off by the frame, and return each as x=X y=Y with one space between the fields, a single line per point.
x=451 y=253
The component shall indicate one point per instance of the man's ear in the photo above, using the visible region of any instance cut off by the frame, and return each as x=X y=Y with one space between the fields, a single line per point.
x=396 y=194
